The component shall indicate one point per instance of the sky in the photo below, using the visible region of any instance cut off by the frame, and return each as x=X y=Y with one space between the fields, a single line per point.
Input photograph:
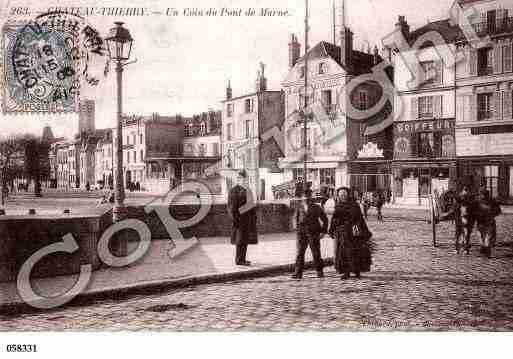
x=184 y=62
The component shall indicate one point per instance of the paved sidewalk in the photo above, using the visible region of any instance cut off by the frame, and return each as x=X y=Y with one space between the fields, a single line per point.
x=208 y=258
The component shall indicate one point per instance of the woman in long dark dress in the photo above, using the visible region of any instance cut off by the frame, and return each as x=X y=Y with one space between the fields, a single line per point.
x=352 y=236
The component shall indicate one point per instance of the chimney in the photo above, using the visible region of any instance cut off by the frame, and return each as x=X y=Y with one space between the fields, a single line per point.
x=229 y=91
x=377 y=58
x=403 y=26
x=346 y=48
x=294 y=51
x=261 y=82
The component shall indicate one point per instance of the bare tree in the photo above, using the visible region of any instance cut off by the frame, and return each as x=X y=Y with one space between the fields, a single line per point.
x=11 y=154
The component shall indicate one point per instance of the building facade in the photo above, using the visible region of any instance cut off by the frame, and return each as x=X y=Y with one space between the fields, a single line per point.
x=484 y=122
x=424 y=128
x=334 y=139
x=202 y=150
x=252 y=126
x=147 y=141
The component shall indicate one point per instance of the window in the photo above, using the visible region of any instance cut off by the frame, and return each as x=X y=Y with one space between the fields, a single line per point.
x=328 y=176
x=135 y=156
x=229 y=110
x=248 y=105
x=484 y=62
x=326 y=99
x=215 y=149
x=127 y=140
x=484 y=108
x=141 y=139
x=127 y=157
x=426 y=107
x=229 y=133
x=432 y=73
x=491 y=177
x=135 y=139
x=202 y=150
x=302 y=72
x=322 y=68
x=248 y=128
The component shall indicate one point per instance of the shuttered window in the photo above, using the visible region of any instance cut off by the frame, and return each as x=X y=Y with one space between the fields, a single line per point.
x=508 y=105
x=507 y=62
x=484 y=106
x=426 y=107
x=414 y=108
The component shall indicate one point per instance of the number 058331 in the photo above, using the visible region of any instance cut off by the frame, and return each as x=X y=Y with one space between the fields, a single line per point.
x=21 y=348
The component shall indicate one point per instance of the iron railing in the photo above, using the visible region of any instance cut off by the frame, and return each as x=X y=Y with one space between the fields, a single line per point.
x=500 y=26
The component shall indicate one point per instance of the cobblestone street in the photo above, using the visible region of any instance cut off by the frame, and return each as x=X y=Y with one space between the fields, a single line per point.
x=412 y=286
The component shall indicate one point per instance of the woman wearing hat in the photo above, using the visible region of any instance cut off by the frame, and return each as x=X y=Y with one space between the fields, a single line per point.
x=352 y=236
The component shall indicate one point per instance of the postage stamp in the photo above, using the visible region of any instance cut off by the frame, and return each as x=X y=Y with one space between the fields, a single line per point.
x=46 y=61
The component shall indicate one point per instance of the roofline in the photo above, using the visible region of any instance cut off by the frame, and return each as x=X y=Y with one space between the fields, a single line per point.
x=251 y=94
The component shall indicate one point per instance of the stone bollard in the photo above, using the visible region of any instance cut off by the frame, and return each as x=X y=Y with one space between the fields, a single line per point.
x=32 y=211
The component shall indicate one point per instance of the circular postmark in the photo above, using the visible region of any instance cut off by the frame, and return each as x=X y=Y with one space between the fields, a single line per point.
x=47 y=61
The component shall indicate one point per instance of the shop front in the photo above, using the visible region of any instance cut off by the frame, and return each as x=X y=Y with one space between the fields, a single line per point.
x=414 y=181
x=495 y=173
x=371 y=175
x=424 y=160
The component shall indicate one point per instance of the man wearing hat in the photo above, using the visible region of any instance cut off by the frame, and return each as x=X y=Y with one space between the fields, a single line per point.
x=242 y=209
x=309 y=233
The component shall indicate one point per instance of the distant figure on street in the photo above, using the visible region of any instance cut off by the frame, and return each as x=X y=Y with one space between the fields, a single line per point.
x=309 y=233
x=486 y=210
x=352 y=237
x=88 y=187
x=242 y=210
x=366 y=204
x=378 y=202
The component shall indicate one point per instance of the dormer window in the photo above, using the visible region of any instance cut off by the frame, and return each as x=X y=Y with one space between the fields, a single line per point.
x=323 y=68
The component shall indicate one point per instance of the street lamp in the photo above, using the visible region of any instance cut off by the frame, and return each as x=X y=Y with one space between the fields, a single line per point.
x=119 y=45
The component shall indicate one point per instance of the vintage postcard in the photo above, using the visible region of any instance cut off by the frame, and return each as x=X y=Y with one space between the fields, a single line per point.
x=269 y=166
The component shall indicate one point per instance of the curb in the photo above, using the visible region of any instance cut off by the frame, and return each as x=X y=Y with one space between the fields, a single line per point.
x=156 y=287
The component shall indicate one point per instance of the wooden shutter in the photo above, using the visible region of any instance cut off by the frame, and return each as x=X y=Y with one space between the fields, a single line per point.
x=437 y=106
x=414 y=108
x=508 y=105
x=437 y=144
x=439 y=73
x=507 y=65
x=497 y=59
x=473 y=107
x=495 y=107
x=473 y=62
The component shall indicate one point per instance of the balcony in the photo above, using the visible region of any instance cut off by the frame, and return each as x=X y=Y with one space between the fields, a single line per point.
x=494 y=28
x=485 y=71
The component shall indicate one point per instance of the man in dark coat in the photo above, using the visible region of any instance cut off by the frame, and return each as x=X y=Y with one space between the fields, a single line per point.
x=242 y=209
x=309 y=233
x=486 y=210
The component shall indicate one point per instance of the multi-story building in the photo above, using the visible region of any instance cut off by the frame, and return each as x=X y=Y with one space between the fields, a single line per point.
x=484 y=122
x=104 y=165
x=424 y=143
x=148 y=143
x=335 y=140
x=246 y=121
x=202 y=150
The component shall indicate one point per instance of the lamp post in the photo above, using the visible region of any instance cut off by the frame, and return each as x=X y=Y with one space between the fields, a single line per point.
x=119 y=45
